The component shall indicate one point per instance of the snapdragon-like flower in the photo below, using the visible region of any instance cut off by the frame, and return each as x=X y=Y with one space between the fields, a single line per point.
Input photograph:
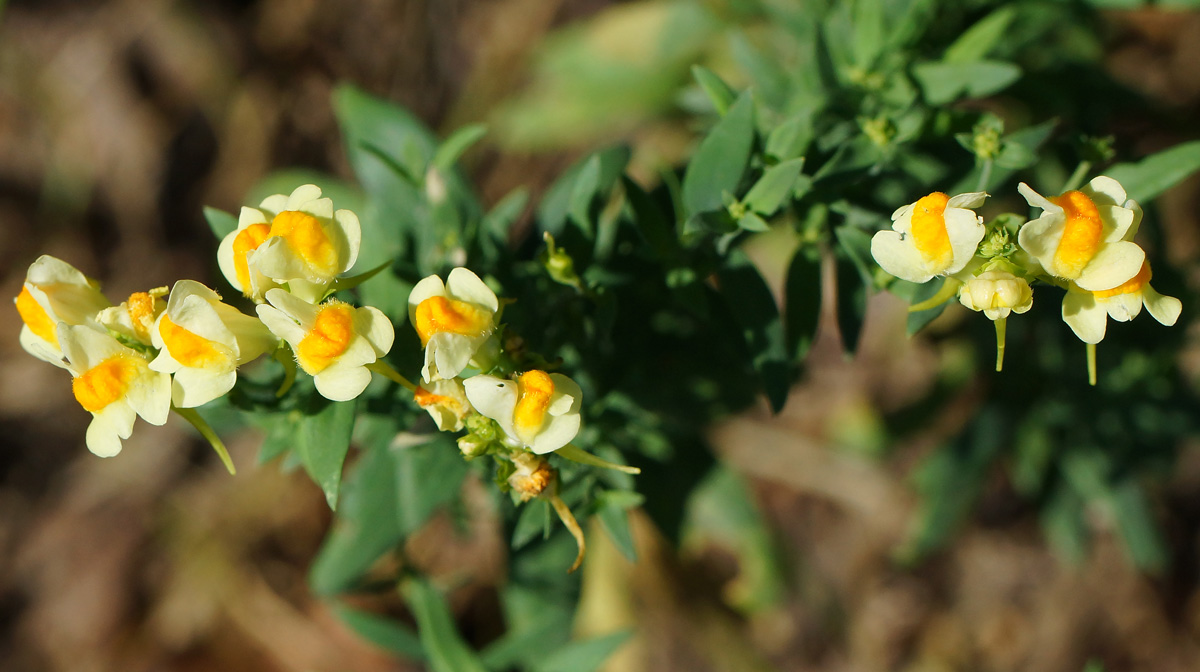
x=115 y=384
x=453 y=320
x=334 y=341
x=997 y=293
x=937 y=235
x=1082 y=235
x=446 y=401
x=134 y=319
x=54 y=292
x=1087 y=312
x=202 y=342
x=538 y=410
x=297 y=240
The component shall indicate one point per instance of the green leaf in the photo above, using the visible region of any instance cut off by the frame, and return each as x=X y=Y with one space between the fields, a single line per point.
x=753 y=223
x=720 y=160
x=774 y=187
x=1062 y=519
x=1138 y=527
x=869 y=33
x=385 y=633
x=428 y=476
x=612 y=508
x=717 y=90
x=447 y=650
x=791 y=138
x=583 y=656
x=656 y=229
x=504 y=214
x=322 y=440
x=974 y=44
x=523 y=645
x=802 y=296
x=563 y=195
x=222 y=223
x=946 y=82
x=533 y=521
x=1156 y=173
x=753 y=306
x=456 y=145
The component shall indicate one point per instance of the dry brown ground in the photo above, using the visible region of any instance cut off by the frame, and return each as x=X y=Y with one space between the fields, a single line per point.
x=119 y=119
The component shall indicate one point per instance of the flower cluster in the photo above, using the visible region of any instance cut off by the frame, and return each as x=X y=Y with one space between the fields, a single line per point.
x=1082 y=242
x=166 y=350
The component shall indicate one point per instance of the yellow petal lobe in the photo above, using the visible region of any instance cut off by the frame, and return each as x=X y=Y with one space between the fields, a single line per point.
x=439 y=314
x=929 y=231
x=328 y=339
x=535 y=388
x=35 y=317
x=247 y=241
x=189 y=349
x=107 y=382
x=425 y=399
x=141 y=313
x=1081 y=235
x=306 y=239
x=1134 y=284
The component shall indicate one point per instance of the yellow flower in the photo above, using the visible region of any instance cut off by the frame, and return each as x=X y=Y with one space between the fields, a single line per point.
x=113 y=383
x=453 y=320
x=1082 y=236
x=997 y=293
x=55 y=292
x=135 y=317
x=334 y=342
x=1087 y=312
x=937 y=235
x=297 y=240
x=202 y=341
x=538 y=410
x=446 y=401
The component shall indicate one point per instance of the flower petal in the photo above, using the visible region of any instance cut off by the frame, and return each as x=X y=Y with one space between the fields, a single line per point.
x=85 y=347
x=280 y=324
x=193 y=387
x=1113 y=265
x=1165 y=309
x=556 y=433
x=1037 y=200
x=965 y=231
x=342 y=383
x=493 y=397
x=428 y=287
x=1040 y=237
x=898 y=256
x=1104 y=190
x=969 y=200
x=303 y=194
x=108 y=427
x=1123 y=307
x=376 y=328
x=466 y=286
x=567 y=396
x=273 y=205
x=351 y=230
x=43 y=350
x=449 y=353
x=1117 y=221
x=1085 y=317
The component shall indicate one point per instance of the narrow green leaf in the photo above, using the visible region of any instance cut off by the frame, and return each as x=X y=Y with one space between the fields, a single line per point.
x=612 y=508
x=428 y=476
x=385 y=633
x=720 y=160
x=753 y=223
x=403 y=172
x=656 y=229
x=533 y=521
x=445 y=647
x=557 y=203
x=583 y=192
x=456 y=145
x=774 y=187
x=717 y=90
x=583 y=656
x=1138 y=527
x=869 y=33
x=520 y=648
x=504 y=214
x=1062 y=519
x=946 y=82
x=753 y=306
x=974 y=44
x=791 y=138
x=322 y=441
x=222 y=223
x=802 y=296
x=1153 y=175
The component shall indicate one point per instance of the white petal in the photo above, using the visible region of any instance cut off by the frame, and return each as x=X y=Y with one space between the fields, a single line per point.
x=225 y=261
x=428 y=287
x=194 y=387
x=312 y=292
x=48 y=270
x=41 y=348
x=556 y=433
x=899 y=256
x=1040 y=237
x=1123 y=307
x=972 y=199
x=251 y=336
x=304 y=312
x=275 y=260
x=321 y=208
x=352 y=234
x=280 y=324
x=1105 y=190
x=248 y=217
x=567 y=396
x=108 y=427
x=273 y=205
x=494 y=398
x=1037 y=200
x=1116 y=220
x=150 y=397
x=1115 y=264
x=342 y=383
x=303 y=194
x=1085 y=317
x=466 y=286
x=194 y=311
x=965 y=231
x=452 y=353
x=376 y=328
x=904 y=213
x=85 y=347
x=1165 y=309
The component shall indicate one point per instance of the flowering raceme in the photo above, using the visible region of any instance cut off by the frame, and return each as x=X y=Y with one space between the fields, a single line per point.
x=334 y=341
x=54 y=292
x=538 y=410
x=937 y=235
x=296 y=240
x=453 y=320
x=115 y=384
x=202 y=341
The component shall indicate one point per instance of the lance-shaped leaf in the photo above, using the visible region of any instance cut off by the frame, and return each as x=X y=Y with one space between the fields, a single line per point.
x=720 y=161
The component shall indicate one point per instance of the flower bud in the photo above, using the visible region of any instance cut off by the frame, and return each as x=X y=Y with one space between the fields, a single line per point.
x=997 y=293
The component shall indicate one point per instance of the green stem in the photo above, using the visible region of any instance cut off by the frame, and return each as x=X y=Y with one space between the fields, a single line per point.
x=207 y=432
x=1001 y=327
x=1091 y=359
x=384 y=369
x=576 y=454
x=283 y=355
x=1076 y=177
x=985 y=175
x=948 y=290
x=572 y=525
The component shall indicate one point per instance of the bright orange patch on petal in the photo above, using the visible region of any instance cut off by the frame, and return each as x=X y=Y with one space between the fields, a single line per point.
x=929 y=231
x=141 y=313
x=247 y=241
x=307 y=239
x=328 y=339
x=1134 y=284
x=425 y=399
x=189 y=349
x=1081 y=234
x=107 y=382
x=439 y=314
x=35 y=317
x=535 y=388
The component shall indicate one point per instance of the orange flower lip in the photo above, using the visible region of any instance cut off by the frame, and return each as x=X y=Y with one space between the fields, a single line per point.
x=929 y=230
x=35 y=317
x=306 y=239
x=439 y=314
x=188 y=348
x=536 y=388
x=1081 y=237
x=247 y=241
x=106 y=382
x=328 y=339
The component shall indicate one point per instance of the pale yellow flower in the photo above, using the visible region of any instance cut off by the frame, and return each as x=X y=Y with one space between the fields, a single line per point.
x=453 y=320
x=538 y=410
x=54 y=292
x=937 y=235
x=446 y=401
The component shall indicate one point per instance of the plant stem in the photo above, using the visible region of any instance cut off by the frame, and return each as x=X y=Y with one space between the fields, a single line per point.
x=985 y=175
x=1091 y=359
x=1076 y=177
x=283 y=355
x=207 y=432
x=1001 y=327
x=576 y=454
x=384 y=369
x=572 y=525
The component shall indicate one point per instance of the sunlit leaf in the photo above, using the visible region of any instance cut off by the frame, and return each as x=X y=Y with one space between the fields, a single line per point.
x=720 y=160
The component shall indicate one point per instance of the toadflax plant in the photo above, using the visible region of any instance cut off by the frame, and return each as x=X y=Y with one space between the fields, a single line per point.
x=574 y=367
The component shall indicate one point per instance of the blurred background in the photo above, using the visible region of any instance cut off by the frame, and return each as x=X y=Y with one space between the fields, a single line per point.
x=121 y=119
